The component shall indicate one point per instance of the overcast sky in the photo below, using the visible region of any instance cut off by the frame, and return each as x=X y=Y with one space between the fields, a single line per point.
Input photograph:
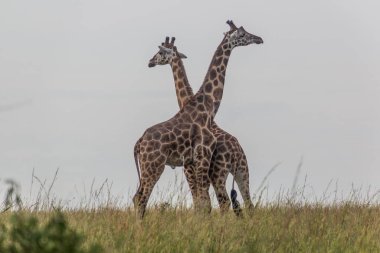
x=76 y=91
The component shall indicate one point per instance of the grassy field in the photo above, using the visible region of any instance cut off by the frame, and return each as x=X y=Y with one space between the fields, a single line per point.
x=288 y=223
x=347 y=227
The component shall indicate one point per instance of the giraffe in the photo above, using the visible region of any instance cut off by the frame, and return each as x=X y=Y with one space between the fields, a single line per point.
x=186 y=139
x=228 y=156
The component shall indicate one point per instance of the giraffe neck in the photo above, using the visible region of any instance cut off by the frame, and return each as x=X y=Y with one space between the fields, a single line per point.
x=213 y=84
x=182 y=87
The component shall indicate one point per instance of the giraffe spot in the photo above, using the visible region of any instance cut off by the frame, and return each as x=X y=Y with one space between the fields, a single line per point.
x=221 y=78
x=171 y=135
x=207 y=140
x=200 y=97
x=161 y=159
x=180 y=74
x=182 y=93
x=173 y=146
x=156 y=145
x=186 y=134
x=186 y=117
x=227 y=52
x=156 y=135
x=201 y=119
x=165 y=138
x=193 y=115
x=177 y=131
x=151 y=157
x=165 y=146
x=208 y=87
x=149 y=149
x=212 y=74
x=218 y=61
x=219 y=51
x=222 y=149
x=222 y=68
x=205 y=132
x=225 y=61
x=218 y=92
x=201 y=107
x=180 y=84
x=181 y=148
x=181 y=139
x=225 y=46
x=215 y=82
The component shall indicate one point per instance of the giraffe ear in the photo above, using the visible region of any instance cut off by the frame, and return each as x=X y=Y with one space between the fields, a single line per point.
x=240 y=31
x=181 y=55
x=234 y=34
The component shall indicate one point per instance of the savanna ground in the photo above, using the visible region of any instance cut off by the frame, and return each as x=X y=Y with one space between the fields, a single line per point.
x=289 y=223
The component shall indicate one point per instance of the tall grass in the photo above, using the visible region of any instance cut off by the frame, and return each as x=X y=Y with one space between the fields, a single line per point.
x=289 y=222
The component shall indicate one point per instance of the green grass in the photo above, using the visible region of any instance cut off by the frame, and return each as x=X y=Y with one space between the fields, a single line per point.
x=287 y=223
x=347 y=227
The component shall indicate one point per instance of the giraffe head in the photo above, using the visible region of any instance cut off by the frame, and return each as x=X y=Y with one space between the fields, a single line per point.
x=239 y=37
x=167 y=52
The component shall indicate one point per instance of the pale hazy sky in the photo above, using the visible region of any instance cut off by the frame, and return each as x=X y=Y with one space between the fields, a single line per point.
x=76 y=92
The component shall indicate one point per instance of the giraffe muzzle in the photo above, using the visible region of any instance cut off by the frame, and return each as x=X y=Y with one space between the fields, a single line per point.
x=257 y=39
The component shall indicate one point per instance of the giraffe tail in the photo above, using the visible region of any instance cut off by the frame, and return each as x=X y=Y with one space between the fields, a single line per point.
x=136 y=152
x=235 y=203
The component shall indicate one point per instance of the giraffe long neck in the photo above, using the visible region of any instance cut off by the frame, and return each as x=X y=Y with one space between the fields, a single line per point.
x=213 y=84
x=182 y=87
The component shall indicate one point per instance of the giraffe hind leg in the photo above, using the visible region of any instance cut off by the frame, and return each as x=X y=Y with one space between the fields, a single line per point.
x=218 y=176
x=202 y=166
x=149 y=177
x=241 y=176
x=191 y=180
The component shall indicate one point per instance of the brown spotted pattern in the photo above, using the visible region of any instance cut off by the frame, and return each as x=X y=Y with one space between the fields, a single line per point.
x=186 y=139
x=228 y=156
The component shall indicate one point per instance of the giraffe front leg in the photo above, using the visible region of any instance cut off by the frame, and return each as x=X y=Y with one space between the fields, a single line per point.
x=202 y=166
x=190 y=178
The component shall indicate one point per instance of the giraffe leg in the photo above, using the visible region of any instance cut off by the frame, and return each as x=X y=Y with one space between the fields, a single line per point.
x=202 y=165
x=190 y=178
x=149 y=177
x=218 y=176
x=241 y=176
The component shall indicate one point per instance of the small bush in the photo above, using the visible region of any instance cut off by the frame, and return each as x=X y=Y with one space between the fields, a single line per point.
x=27 y=235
